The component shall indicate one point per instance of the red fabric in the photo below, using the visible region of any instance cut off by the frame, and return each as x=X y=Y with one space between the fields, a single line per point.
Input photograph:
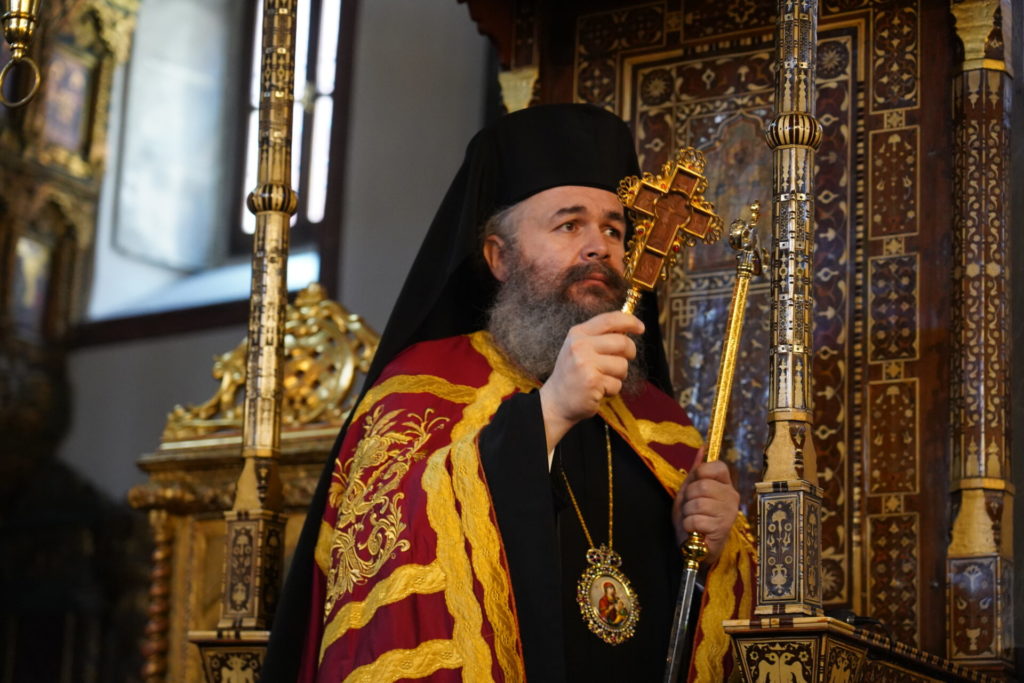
x=416 y=425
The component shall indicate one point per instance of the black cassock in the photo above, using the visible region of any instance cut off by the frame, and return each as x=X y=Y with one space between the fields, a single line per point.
x=546 y=547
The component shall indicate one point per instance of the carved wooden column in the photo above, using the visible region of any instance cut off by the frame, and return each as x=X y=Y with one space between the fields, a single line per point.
x=980 y=554
x=154 y=648
x=789 y=500
x=255 y=525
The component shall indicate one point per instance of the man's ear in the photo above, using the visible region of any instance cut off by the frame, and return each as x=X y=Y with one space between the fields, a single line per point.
x=496 y=256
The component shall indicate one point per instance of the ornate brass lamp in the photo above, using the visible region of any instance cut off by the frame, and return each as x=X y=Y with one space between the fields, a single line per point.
x=19 y=19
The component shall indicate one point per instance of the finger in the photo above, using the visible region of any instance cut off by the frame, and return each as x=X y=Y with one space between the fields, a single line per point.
x=698 y=460
x=583 y=347
x=612 y=386
x=717 y=471
x=708 y=506
x=611 y=366
x=614 y=344
x=702 y=524
x=613 y=321
x=713 y=490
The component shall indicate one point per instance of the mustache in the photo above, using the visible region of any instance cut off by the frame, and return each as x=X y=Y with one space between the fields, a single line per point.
x=584 y=271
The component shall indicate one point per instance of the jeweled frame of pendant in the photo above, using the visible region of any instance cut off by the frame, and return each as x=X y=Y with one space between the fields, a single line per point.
x=597 y=574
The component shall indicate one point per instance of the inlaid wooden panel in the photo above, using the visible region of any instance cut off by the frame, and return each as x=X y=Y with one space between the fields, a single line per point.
x=701 y=73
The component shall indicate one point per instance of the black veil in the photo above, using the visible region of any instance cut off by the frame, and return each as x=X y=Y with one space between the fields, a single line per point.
x=449 y=288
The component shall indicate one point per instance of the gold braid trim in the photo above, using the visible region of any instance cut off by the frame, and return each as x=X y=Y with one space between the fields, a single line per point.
x=669 y=433
x=483 y=344
x=619 y=418
x=418 y=662
x=322 y=552
x=403 y=582
x=414 y=384
x=451 y=557
x=475 y=501
x=734 y=563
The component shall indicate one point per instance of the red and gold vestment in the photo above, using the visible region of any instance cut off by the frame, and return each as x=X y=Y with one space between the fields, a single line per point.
x=410 y=575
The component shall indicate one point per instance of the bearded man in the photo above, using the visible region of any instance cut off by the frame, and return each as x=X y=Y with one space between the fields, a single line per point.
x=517 y=449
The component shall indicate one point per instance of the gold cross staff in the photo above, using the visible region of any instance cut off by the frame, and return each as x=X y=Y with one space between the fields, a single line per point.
x=670 y=212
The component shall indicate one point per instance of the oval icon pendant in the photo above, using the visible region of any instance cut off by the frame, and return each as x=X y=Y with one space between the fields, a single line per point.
x=607 y=600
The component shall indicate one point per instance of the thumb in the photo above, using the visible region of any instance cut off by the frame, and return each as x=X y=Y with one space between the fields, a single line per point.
x=690 y=475
x=698 y=460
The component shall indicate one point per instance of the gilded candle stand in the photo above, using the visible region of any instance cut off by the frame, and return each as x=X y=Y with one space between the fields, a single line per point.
x=254 y=545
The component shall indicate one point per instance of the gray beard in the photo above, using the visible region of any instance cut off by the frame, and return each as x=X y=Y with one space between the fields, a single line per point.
x=532 y=315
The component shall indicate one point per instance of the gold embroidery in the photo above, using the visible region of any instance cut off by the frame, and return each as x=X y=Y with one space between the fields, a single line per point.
x=468 y=648
x=388 y=447
x=418 y=662
x=669 y=433
x=451 y=557
x=414 y=384
x=407 y=580
x=475 y=502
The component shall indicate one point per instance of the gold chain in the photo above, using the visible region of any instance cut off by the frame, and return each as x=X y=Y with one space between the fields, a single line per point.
x=576 y=506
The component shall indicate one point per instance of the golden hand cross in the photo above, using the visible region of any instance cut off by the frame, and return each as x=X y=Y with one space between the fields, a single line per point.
x=669 y=212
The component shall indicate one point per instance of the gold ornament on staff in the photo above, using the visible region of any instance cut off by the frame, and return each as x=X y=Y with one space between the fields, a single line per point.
x=19 y=19
x=670 y=213
x=750 y=259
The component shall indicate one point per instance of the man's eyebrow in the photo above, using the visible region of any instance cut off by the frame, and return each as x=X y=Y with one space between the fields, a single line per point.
x=579 y=208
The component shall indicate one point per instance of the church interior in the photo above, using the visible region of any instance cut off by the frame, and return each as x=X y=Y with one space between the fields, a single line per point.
x=132 y=133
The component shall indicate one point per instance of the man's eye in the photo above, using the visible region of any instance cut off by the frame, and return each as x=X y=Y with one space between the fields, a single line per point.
x=568 y=227
x=613 y=232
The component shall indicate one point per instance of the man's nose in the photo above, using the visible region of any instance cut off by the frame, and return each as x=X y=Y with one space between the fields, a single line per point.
x=596 y=246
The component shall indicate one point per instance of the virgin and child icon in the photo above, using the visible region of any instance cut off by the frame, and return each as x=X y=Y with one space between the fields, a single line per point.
x=611 y=608
x=608 y=603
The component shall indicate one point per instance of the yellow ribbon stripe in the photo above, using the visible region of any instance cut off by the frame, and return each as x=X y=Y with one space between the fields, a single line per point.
x=414 y=384
x=451 y=557
x=475 y=502
x=619 y=418
x=407 y=580
x=669 y=433
x=734 y=563
x=418 y=662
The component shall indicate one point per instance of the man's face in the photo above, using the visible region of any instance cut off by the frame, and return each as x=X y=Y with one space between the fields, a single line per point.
x=561 y=228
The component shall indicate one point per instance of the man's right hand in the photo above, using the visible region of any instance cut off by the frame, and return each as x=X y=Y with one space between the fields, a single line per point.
x=591 y=366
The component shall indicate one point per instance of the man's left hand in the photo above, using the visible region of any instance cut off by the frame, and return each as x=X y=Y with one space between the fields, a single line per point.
x=707 y=503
